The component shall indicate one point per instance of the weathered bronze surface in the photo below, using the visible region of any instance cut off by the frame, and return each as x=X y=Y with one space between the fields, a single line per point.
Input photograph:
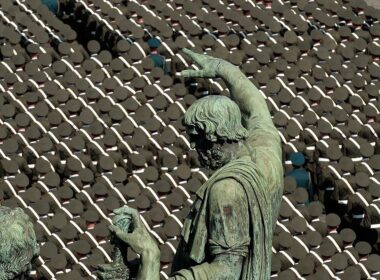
x=228 y=232
x=18 y=243
x=117 y=270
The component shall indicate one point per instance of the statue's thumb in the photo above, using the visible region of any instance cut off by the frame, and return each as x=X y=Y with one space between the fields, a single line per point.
x=128 y=238
x=113 y=228
x=117 y=231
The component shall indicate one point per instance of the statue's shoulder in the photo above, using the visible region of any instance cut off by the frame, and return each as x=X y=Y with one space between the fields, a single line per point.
x=242 y=164
x=227 y=189
x=241 y=161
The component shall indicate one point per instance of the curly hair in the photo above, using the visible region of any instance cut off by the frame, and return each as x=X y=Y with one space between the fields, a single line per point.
x=218 y=116
x=18 y=243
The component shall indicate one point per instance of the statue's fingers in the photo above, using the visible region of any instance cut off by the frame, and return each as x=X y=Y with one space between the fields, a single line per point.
x=102 y=275
x=128 y=238
x=196 y=57
x=121 y=210
x=119 y=233
x=102 y=267
x=125 y=210
x=133 y=213
x=113 y=228
x=116 y=230
x=135 y=240
x=197 y=73
x=189 y=73
x=190 y=54
x=100 y=272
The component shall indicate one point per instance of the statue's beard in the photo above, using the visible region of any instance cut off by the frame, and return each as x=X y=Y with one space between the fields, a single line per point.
x=214 y=157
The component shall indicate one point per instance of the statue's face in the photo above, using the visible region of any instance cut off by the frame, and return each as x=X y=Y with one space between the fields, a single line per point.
x=211 y=154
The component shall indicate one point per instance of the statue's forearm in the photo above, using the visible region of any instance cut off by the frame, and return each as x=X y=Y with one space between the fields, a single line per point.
x=150 y=266
x=245 y=94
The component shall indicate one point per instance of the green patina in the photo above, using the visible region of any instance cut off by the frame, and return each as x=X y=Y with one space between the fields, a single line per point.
x=18 y=243
x=228 y=232
x=117 y=270
x=218 y=116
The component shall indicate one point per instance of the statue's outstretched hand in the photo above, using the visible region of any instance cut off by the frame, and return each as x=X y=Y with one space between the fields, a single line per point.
x=210 y=66
x=139 y=239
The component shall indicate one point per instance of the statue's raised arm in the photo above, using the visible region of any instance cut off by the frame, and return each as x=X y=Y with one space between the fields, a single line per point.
x=263 y=143
x=252 y=105
x=228 y=232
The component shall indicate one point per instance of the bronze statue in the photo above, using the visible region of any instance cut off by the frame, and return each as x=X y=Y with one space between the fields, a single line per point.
x=228 y=232
x=118 y=269
x=18 y=243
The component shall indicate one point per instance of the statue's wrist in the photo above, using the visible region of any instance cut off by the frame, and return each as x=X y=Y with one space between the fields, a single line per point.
x=151 y=252
x=150 y=257
x=227 y=70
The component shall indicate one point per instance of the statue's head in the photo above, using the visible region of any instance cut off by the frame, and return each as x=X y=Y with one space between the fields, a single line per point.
x=18 y=243
x=214 y=125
